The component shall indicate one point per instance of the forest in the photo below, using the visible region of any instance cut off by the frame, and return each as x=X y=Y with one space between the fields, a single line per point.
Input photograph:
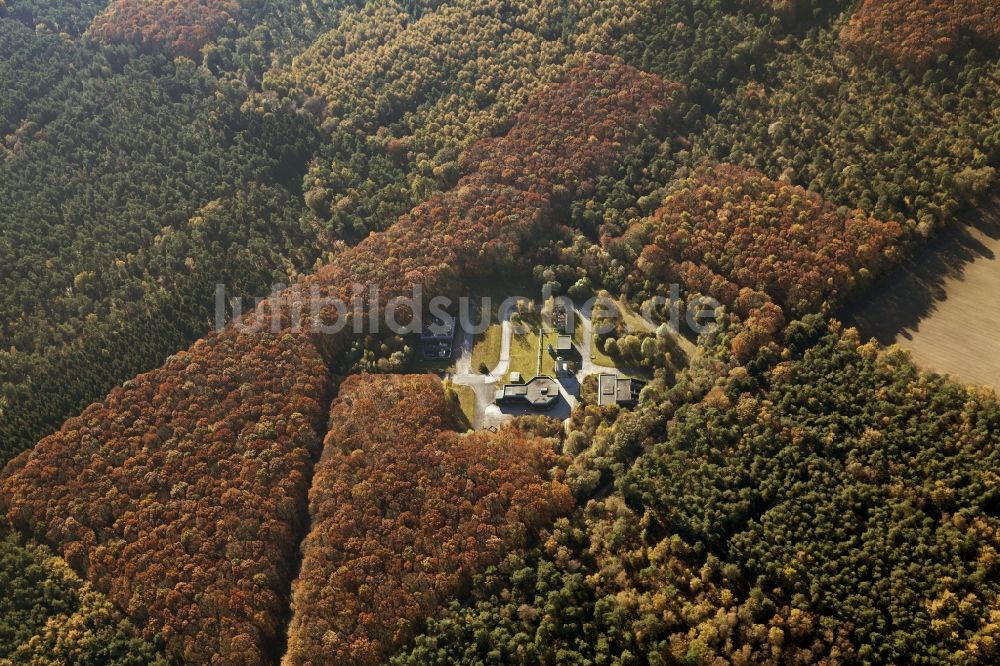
x=404 y=510
x=181 y=28
x=763 y=525
x=175 y=494
x=768 y=251
x=145 y=491
x=51 y=616
x=179 y=497
x=767 y=237
x=912 y=33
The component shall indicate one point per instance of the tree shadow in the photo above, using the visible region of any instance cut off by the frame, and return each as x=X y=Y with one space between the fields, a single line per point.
x=908 y=294
x=570 y=384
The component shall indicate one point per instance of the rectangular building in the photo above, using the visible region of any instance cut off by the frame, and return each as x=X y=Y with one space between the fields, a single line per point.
x=615 y=390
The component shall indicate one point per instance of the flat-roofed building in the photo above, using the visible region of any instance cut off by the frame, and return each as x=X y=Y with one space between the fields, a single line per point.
x=615 y=390
x=539 y=393
x=437 y=339
x=563 y=348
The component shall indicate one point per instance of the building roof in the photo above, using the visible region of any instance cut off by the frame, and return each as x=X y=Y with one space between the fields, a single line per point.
x=564 y=343
x=538 y=393
x=435 y=328
x=437 y=350
x=615 y=390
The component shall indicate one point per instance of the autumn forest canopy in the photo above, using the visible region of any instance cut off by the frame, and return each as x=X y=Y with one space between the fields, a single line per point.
x=777 y=490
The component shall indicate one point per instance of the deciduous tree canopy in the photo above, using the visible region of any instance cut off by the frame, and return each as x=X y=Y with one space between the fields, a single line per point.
x=911 y=33
x=774 y=476
x=49 y=616
x=404 y=510
x=761 y=526
x=180 y=495
x=763 y=236
x=181 y=27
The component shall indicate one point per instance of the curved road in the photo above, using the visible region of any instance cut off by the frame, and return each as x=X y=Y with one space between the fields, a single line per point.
x=484 y=386
x=487 y=414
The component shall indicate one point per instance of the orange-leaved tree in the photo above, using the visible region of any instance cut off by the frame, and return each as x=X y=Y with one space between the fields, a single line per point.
x=404 y=511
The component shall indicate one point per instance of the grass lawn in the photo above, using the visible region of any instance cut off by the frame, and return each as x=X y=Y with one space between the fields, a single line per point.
x=467 y=401
x=600 y=358
x=633 y=320
x=548 y=361
x=524 y=355
x=486 y=349
x=523 y=352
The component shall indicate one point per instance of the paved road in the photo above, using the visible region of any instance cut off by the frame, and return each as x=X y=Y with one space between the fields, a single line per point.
x=463 y=364
x=487 y=414
x=485 y=392
x=484 y=386
x=506 y=335
x=586 y=347
x=588 y=367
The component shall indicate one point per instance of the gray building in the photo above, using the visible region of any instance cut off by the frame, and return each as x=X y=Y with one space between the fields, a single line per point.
x=539 y=393
x=437 y=339
x=615 y=390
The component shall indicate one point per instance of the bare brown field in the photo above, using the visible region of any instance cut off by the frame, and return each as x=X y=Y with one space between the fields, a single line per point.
x=944 y=304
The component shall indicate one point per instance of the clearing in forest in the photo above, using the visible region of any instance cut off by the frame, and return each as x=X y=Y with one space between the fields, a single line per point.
x=944 y=304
